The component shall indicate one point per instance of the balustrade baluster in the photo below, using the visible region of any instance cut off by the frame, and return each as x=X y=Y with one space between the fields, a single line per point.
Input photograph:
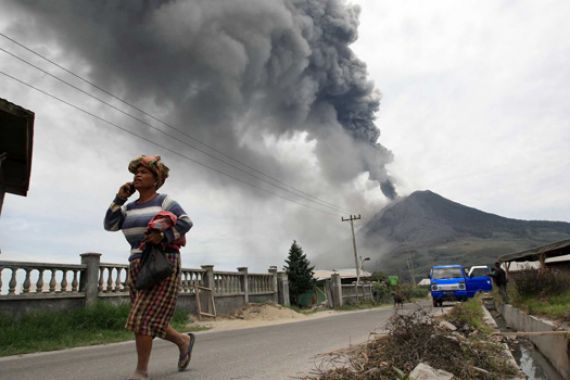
x=125 y=285
x=185 y=282
x=118 y=280
x=40 y=283
x=12 y=284
x=52 y=281
x=26 y=288
x=74 y=282
x=64 y=281
x=101 y=269
x=109 y=279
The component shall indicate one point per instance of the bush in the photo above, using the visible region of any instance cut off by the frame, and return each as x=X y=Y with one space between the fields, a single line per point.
x=411 y=292
x=540 y=283
x=468 y=313
x=381 y=292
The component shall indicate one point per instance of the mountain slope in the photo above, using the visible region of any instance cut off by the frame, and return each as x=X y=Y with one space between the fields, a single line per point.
x=426 y=228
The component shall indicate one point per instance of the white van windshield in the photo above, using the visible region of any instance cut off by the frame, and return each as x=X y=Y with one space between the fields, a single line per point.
x=439 y=273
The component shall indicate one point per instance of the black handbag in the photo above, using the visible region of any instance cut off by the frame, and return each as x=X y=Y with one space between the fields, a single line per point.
x=155 y=267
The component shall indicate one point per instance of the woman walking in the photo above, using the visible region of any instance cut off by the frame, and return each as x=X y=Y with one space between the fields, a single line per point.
x=151 y=309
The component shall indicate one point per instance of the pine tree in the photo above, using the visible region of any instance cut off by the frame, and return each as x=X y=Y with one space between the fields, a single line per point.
x=299 y=273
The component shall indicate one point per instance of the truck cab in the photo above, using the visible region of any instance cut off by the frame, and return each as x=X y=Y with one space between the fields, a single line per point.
x=448 y=283
x=452 y=283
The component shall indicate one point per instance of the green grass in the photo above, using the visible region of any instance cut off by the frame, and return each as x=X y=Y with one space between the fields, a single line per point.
x=471 y=313
x=46 y=331
x=554 y=307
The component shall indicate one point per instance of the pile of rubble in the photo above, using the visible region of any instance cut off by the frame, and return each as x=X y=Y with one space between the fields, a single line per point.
x=419 y=346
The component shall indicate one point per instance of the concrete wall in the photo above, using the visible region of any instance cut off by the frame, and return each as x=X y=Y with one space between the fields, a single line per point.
x=350 y=295
x=228 y=304
x=262 y=298
x=19 y=306
x=555 y=348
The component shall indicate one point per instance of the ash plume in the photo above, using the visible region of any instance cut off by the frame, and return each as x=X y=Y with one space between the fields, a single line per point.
x=225 y=69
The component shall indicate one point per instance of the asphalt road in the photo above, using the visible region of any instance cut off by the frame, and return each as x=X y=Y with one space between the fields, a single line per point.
x=275 y=352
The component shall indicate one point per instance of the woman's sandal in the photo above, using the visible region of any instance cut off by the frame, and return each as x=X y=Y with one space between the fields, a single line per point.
x=184 y=359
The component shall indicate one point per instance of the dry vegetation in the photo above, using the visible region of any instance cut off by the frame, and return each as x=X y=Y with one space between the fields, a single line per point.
x=468 y=353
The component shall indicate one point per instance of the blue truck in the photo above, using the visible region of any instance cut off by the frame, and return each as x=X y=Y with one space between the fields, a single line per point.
x=452 y=283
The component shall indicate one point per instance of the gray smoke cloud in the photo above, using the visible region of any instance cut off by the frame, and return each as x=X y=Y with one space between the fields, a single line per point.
x=223 y=69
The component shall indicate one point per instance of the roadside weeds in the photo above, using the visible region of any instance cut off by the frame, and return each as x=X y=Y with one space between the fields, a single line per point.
x=461 y=346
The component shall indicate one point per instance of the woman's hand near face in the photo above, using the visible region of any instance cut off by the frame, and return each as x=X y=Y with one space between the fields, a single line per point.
x=126 y=190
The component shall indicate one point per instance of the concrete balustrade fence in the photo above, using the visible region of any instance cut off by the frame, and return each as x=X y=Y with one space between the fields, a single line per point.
x=27 y=286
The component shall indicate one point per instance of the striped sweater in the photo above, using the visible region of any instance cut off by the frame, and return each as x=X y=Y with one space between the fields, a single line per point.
x=133 y=219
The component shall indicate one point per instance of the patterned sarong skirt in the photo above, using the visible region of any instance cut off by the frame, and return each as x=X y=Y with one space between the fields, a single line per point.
x=152 y=309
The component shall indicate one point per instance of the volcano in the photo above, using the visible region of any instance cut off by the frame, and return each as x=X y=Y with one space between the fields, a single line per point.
x=425 y=229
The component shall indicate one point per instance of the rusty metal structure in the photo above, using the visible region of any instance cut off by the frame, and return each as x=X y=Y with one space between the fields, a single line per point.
x=540 y=254
x=16 y=143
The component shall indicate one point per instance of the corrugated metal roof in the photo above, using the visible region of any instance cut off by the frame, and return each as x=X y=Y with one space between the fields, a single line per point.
x=556 y=249
x=16 y=139
x=322 y=274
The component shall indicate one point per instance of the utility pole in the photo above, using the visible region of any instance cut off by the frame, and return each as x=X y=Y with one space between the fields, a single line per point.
x=351 y=219
x=411 y=268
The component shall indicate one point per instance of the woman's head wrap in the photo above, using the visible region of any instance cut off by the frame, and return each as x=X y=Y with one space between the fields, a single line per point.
x=153 y=164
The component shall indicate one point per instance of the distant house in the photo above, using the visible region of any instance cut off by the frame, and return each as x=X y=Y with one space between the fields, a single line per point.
x=16 y=141
x=560 y=262
x=424 y=282
x=347 y=276
x=555 y=256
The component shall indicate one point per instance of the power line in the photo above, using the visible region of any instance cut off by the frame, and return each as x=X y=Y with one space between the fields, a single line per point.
x=287 y=188
x=163 y=132
x=159 y=145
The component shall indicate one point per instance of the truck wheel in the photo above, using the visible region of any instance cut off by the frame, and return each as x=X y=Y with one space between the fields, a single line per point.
x=434 y=301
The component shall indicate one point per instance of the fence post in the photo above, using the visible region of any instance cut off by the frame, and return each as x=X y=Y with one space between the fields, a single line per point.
x=273 y=271
x=209 y=277
x=244 y=283
x=336 y=290
x=283 y=287
x=90 y=284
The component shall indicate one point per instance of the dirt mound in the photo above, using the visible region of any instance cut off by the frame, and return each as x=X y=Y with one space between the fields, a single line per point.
x=265 y=312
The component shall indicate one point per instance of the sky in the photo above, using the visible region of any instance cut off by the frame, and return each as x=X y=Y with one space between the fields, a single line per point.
x=319 y=109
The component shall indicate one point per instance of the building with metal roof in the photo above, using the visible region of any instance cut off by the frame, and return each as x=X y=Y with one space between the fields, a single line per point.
x=16 y=142
x=550 y=255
